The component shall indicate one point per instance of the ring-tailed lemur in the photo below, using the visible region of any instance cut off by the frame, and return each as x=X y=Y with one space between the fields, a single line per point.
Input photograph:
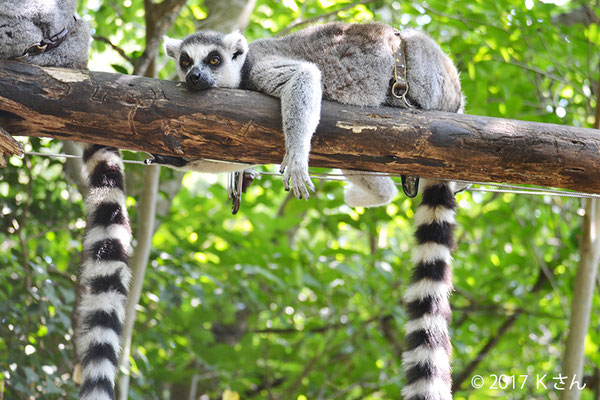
x=348 y=63
x=351 y=64
x=63 y=39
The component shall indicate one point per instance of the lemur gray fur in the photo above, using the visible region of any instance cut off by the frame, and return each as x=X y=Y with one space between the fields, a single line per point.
x=351 y=64
x=104 y=274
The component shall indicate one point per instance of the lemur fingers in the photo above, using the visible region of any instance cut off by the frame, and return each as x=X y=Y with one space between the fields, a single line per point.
x=297 y=172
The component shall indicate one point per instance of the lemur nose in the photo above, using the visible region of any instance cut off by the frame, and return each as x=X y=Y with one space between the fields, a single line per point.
x=198 y=79
x=193 y=77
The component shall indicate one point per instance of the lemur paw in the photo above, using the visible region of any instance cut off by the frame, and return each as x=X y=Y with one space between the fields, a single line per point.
x=296 y=172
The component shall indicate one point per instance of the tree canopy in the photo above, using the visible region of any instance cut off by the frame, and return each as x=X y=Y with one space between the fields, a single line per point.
x=301 y=300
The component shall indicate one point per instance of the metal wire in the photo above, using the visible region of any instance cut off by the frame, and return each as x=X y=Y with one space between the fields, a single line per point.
x=332 y=176
x=55 y=155
x=514 y=189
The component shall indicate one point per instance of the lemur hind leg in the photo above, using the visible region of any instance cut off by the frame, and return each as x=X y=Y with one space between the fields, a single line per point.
x=298 y=85
x=368 y=189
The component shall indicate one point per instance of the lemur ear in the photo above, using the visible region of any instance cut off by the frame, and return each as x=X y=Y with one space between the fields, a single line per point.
x=171 y=46
x=236 y=42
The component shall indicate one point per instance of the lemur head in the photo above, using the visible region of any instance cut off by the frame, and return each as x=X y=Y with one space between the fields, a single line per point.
x=208 y=59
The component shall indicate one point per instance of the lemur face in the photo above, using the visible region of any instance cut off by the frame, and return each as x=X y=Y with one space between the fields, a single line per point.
x=208 y=59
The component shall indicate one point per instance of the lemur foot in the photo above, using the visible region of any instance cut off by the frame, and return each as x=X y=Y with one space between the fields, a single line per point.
x=166 y=160
x=238 y=184
x=249 y=176
x=297 y=172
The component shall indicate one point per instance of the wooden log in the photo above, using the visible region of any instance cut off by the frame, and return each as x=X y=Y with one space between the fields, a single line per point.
x=164 y=117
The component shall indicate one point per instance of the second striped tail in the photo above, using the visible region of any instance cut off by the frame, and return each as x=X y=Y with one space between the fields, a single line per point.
x=426 y=356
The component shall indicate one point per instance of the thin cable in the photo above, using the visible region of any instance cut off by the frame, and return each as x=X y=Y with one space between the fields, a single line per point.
x=503 y=188
x=35 y=153
x=338 y=177
x=536 y=193
x=500 y=185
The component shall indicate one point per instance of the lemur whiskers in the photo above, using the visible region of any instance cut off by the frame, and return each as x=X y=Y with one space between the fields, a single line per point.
x=351 y=64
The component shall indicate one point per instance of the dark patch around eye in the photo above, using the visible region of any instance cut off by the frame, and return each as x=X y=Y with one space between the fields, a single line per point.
x=185 y=61
x=213 y=55
x=237 y=54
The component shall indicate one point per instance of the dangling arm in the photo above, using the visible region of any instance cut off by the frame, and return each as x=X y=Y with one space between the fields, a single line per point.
x=298 y=85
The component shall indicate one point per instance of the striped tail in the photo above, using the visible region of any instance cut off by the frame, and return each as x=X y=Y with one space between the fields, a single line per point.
x=426 y=357
x=105 y=274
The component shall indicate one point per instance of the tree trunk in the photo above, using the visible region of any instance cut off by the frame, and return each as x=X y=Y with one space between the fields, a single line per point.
x=139 y=261
x=583 y=292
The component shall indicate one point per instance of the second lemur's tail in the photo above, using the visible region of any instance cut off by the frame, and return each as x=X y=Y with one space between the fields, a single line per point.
x=426 y=356
x=104 y=275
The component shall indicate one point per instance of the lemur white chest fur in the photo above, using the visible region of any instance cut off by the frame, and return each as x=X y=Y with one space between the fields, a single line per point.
x=351 y=64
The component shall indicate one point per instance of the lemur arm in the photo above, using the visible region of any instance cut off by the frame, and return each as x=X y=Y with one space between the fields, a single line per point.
x=298 y=85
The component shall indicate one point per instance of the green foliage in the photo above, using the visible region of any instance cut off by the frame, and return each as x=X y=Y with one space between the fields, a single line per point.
x=300 y=299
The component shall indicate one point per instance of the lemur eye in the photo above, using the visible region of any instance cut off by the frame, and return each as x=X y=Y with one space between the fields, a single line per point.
x=185 y=61
x=214 y=60
x=237 y=54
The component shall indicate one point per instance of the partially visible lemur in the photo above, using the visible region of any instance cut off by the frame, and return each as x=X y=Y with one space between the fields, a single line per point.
x=63 y=39
x=351 y=64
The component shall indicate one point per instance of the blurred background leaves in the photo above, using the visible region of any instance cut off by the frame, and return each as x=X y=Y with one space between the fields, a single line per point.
x=301 y=299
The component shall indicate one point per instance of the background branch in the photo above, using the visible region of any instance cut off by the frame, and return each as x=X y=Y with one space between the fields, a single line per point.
x=459 y=378
x=115 y=48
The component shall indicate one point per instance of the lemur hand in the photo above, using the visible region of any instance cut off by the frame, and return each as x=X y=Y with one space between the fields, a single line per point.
x=296 y=171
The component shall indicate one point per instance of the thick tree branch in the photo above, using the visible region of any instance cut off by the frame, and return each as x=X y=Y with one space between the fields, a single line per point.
x=164 y=117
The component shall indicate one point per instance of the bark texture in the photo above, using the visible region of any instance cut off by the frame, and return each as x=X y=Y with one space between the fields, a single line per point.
x=164 y=117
